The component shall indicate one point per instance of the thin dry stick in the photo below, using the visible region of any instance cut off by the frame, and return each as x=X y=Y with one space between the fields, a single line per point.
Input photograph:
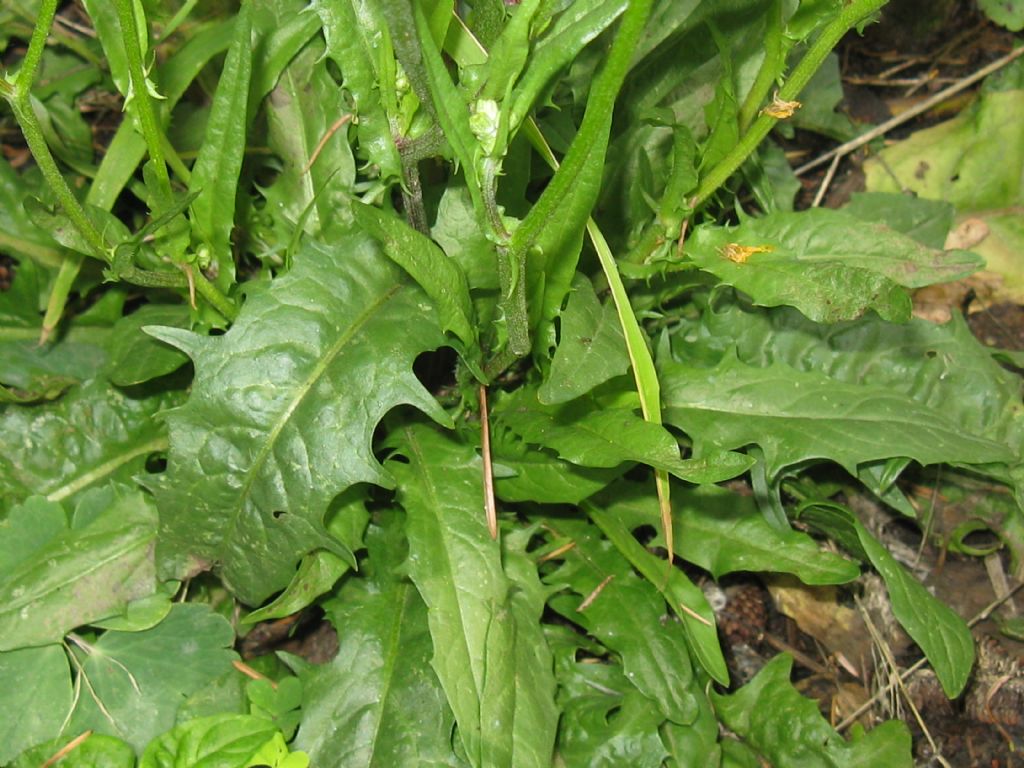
x=490 y=507
x=886 y=652
x=984 y=614
x=323 y=142
x=924 y=106
x=826 y=182
x=593 y=595
x=248 y=671
x=60 y=753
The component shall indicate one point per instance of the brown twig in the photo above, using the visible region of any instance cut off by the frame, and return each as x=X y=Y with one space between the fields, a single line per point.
x=323 y=141
x=900 y=119
x=490 y=507
x=63 y=751
x=978 y=618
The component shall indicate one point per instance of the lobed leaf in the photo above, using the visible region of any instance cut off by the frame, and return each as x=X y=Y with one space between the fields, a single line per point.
x=624 y=612
x=942 y=367
x=282 y=411
x=591 y=436
x=356 y=43
x=440 y=277
x=786 y=728
x=591 y=348
x=94 y=434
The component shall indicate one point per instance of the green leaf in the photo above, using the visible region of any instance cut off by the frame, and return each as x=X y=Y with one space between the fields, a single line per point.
x=138 y=679
x=797 y=416
x=89 y=572
x=825 y=263
x=938 y=630
x=686 y=598
x=535 y=475
x=217 y=167
x=302 y=109
x=224 y=741
x=17 y=234
x=278 y=702
x=788 y=730
x=927 y=221
x=548 y=240
x=476 y=628
x=591 y=436
x=78 y=353
x=377 y=702
x=604 y=731
x=625 y=615
x=1006 y=13
x=356 y=39
x=37 y=697
x=591 y=348
x=320 y=570
x=578 y=25
x=440 y=277
x=136 y=357
x=976 y=394
x=92 y=435
x=282 y=411
x=97 y=751
x=725 y=533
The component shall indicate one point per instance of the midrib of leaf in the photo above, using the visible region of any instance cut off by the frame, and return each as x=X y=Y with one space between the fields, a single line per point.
x=318 y=370
x=106 y=468
x=394 y=635
x=96 y=563
x=31 y=333
x=442 y=530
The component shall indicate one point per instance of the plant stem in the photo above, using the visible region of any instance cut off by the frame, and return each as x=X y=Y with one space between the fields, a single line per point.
x=771 y=67
x=851 y=15
x=20 y=101
x=140 y=94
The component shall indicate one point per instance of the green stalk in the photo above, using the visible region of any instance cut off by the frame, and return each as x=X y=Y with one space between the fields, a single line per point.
x=771 y=67
x=851 y=15
x=140 y=93
x=19 y=98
